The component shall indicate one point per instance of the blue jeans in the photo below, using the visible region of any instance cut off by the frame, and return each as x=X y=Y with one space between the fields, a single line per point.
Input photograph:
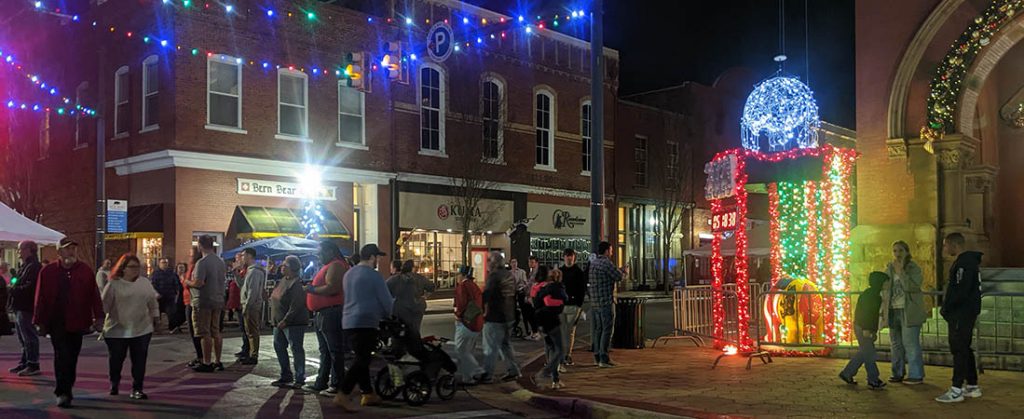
x=554 y=349
x=865 y=356
x=332 y=347
x=601 y=331
x=28 y=337
x=291 y=336
x=466 y=342
x=906 y=347
x=498 y=340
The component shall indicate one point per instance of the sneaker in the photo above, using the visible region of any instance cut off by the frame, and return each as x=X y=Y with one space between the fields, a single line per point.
x=330 y=392
x=113 y=389
x=557 y=385
x=312 y=388
x=298 y=386
x=218 y=366
x=282 y=383
x=248 y=361
x=64 y=401
x=204 y=368
x=138 y=395
x=895 y=379
x=609 y=362
x=242 y=354
x=972 y=391
x=913 y=381
x=345 y=402
x=511 y=377
x=954 y=395
x=193 y=363
x=605 y=365
x=371 y=399
x=568 y=361
x=878 y=385
x=847 y=380
x=29 y=371
x=561 y=369
x=17 y=369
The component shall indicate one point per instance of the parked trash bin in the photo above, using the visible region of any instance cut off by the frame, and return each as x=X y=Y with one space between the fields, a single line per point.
x=629 y=324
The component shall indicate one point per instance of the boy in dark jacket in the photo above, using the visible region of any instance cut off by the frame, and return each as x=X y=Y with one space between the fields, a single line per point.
x=960 y=308
x=865 y=325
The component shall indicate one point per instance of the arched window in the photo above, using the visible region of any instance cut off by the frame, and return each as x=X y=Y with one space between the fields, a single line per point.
x=544 y=123
x=491 y=95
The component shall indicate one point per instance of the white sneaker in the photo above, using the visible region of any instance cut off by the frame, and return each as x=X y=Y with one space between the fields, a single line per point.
x=605 y=365
x=972 y=391
x=954 y=395
x=561 y=369
x=557 y=385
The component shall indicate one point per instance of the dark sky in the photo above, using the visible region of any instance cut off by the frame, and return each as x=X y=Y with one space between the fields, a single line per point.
x=666 y=42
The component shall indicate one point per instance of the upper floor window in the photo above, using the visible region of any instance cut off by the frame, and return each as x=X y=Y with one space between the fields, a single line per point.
x=672 y=165
x=640 y=161
x=121 y=110
x=544 y=123
x=432 y=110
x=585 y=124
x=292 y=99
x=224 y=91
x=351 y=111
x=150 y=88
x=491 y=116
x=80 y=93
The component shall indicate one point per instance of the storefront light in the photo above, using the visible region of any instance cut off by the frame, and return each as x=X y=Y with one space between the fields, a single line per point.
x=450 y=230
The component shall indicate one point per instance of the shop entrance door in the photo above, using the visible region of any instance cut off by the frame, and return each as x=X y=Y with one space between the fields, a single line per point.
x=478 y=259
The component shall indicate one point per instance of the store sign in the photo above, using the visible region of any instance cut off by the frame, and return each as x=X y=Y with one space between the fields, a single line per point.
x=724 y=220
x=117 y=216
x=440 y=212
x=562 y=220
x=283 y=189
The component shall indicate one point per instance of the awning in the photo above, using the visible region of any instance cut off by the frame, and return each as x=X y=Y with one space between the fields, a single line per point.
x=265 y=222
x=14 y=228
x=144 y=222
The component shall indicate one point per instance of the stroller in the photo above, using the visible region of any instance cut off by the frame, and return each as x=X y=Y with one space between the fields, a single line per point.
x=414 y=369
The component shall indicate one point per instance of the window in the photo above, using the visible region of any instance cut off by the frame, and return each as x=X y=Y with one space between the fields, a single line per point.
x=150 y=88
x=224 y=91
x=44 y=136
x=432 y=110
x=585 y=124
x=545 y=123
x=292 y=118
x=80 y=92
x=351 y=122
x=121 y=109
x=672 y=166
x=640 y=160
x=492 y=119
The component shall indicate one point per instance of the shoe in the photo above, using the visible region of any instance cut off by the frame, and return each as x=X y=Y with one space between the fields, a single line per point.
x=113 y=389
x=511 y=377
x=972 y=391
x=248 y=361
x=609 y=362
x=568 y=362
x=562 y=370
x=913 y=381
x=895 y=379
x=484 y=379
x=29 y=371
x=17 y=369
x=312 y=388
x=371 y=399
x=241 y=354
x=298 y=386
x=878 y=385
x=330 y=392
x=557 y=385
x=204 y=368
x=217 y=366
x=138 y=395
x=193 y=363
x=345 y=402
x=605 y=365
x=64 y=401
x=282 y=383
x=847 y=380
x=953 y=395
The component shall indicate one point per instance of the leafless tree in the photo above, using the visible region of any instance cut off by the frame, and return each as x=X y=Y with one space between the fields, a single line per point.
x=473 y=214
x=675 y=202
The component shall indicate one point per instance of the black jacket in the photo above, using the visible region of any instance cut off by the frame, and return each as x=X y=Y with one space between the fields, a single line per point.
x=963 y=289
x=23 y=291
x=548 y=316
x=575 y=281
x=869 y=304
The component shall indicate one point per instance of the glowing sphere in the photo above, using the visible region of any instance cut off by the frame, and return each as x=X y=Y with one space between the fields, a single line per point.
x=782 y=111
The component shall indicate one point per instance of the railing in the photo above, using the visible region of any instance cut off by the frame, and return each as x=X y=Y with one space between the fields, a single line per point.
x=1007 y=328
x=692 y=312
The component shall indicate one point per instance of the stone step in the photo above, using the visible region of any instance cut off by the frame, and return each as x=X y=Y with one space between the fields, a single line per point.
x=995 y=362
x=984 y=343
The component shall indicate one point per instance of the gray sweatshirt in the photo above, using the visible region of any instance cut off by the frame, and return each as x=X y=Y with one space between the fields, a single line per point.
x=289 y=304
x=252 y=288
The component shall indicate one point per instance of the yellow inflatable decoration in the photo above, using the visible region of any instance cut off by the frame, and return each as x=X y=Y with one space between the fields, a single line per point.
x=796 y=318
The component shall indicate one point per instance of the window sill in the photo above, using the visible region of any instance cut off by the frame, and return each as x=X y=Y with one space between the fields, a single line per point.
x=150 y=128
x=585 y=173
x=496 y=162
x=353 y=146
x=80 y=147
x=544 y=168
x=433 y=153
x=292 y=138
x=222 y=128
x=120 y=136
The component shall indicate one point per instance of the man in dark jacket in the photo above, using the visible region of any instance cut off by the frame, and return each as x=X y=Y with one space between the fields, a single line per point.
x=166 y=284
x=575 y=281
x=22 y=302
x=499 y=315
x=865 y=325
x=960 y=308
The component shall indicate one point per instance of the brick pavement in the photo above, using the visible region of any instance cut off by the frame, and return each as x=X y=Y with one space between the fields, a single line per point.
x=678 y=380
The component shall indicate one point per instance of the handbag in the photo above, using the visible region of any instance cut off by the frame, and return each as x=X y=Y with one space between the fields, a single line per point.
x=472 y=311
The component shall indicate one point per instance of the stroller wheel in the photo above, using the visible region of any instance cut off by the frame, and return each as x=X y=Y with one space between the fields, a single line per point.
x=446 y=387
x=386 y=387
x=417 y=388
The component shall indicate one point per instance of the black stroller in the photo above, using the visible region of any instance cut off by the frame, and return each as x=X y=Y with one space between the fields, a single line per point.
x=414 y=369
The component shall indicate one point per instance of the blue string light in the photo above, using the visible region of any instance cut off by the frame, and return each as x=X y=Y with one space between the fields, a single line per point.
x=783 y=111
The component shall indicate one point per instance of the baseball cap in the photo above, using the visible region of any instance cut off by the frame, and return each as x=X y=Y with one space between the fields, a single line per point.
x=467 y=271
x=66 y=242
x=369 y=251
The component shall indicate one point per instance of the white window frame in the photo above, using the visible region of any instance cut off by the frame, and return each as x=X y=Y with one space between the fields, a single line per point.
x=80 y=91
x=500 y=159
x=672 y=162
x=155 y=62
x=224 y=59
x=343 y=84
x=304 y=137
x=586 y=134
x=441 y=111
x=121 y=72
x=646 y=160
x=551 y=130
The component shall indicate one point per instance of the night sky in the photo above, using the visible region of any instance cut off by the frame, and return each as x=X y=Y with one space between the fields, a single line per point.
x=668 y=42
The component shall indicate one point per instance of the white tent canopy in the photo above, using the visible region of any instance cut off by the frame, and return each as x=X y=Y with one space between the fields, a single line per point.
x=15 y=227
x=758 y=244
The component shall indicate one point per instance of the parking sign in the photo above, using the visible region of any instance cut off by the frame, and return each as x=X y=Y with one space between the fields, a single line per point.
x=439 y=42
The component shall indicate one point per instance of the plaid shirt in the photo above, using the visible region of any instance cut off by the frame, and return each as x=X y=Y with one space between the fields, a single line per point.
x=603 y=276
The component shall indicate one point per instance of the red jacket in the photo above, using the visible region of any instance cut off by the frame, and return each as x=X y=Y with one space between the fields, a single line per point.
x=466 y=291
x=84 y=304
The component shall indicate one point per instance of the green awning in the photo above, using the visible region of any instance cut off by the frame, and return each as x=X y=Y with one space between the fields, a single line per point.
x=264 y=222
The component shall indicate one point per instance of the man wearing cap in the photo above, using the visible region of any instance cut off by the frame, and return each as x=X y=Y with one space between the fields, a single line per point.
x=67 y=307
x=469 y=321
x=326 y=300
x=367 y=302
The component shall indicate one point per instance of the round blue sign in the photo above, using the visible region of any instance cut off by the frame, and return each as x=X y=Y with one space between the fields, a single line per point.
x=440 y=42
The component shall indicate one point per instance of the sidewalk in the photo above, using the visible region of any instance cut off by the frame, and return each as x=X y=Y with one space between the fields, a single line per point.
x=678 y=380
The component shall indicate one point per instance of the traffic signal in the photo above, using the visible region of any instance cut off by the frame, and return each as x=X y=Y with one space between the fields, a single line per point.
x=355 y=71
x=395 y=63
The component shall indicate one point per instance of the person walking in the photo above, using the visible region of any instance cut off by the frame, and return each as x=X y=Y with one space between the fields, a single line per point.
x=575 y=283
x=961 y=307
x=326 y=299
x=531 y=330
x=186 y=298
x=603 y=278
x=904 y=312
x=165 y=282
x=22 y=303
x=207 y=282
x=102 y=273
x=410 y=290
x=252 y=304
x=865 y=327
x=367 y=302
x=469 y=321
x=522 y=285
x=132 y=308
x=290 y=318
x=67 y=307
x=549 y=299
x=499 y=305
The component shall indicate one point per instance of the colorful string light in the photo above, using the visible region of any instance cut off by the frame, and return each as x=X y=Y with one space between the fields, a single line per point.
x=783 y=111
x=44 y=86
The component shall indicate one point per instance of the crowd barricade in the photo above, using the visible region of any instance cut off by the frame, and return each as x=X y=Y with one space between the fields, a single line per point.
x=693 y=318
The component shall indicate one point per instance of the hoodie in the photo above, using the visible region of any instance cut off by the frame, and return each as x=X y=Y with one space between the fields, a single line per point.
x=870 y=303
x=963 y=289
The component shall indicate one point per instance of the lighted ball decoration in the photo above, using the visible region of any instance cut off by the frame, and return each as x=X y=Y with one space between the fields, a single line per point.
x=781 y=110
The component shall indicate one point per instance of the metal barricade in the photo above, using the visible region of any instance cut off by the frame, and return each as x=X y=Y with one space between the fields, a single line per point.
x=693 y=317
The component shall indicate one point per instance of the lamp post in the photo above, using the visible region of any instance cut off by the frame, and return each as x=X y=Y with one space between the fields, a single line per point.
x=597 y=122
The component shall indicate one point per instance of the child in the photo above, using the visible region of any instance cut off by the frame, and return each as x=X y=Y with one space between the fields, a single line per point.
x=865 y=325
x=549 y=300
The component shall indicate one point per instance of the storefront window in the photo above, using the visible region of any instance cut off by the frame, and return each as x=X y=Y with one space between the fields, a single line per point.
x=437 y=255
x=150 y=252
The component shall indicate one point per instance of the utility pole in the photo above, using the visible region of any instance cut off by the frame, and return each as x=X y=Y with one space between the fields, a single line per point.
x=597 y=123
x=101 y=157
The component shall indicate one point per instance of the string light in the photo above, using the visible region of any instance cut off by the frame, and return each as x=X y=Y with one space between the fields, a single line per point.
x=783 y=111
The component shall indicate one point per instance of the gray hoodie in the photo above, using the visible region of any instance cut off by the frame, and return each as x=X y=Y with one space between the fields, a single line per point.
x=252 y=288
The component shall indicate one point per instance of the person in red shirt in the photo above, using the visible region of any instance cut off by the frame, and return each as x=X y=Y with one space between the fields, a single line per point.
x=326 y=299
x=67 y=307
x=469 y=321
